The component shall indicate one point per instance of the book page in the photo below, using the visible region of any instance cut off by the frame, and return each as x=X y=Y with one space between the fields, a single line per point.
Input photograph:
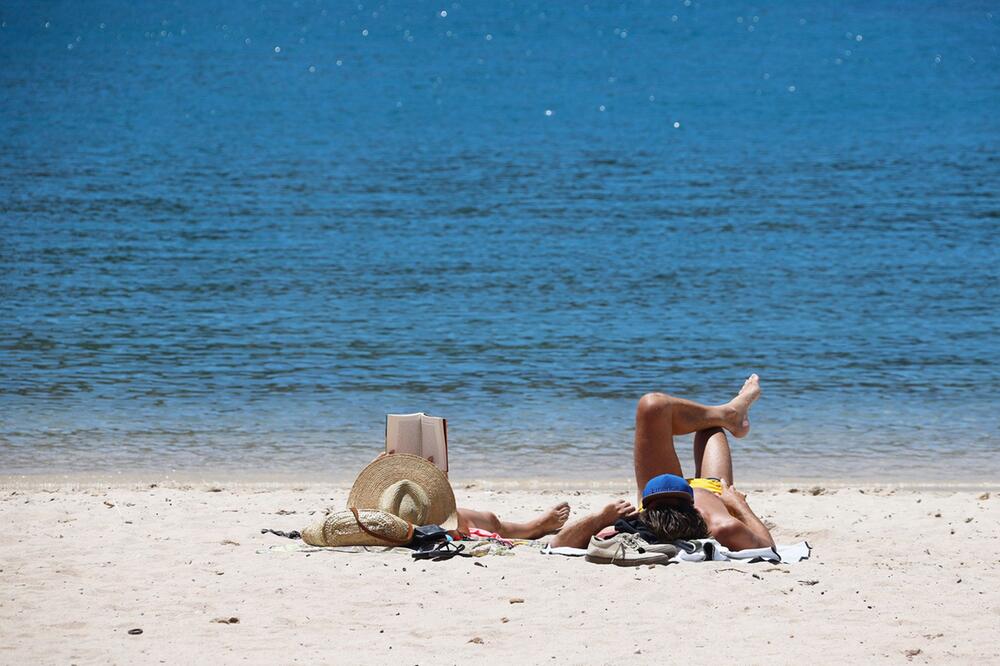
x=402 y=433
x=434 y=438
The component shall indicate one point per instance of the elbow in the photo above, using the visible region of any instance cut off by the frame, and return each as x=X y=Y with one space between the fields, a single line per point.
x=734 y=535
x=727 y=531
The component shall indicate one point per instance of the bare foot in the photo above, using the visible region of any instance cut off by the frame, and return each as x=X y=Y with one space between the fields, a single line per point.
x=553 y=519
x=739 y=424
x=617 y=509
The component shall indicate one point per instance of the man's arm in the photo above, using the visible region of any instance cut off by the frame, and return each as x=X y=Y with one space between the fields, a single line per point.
x=744 y=529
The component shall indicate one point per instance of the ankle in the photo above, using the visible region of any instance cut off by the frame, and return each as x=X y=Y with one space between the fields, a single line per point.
x=728 y=413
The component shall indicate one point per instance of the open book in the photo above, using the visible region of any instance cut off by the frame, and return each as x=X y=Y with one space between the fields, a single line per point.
x=419 y=434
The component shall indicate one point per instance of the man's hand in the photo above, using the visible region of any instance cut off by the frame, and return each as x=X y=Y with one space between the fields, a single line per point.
x=617 y=509
x=734 y=500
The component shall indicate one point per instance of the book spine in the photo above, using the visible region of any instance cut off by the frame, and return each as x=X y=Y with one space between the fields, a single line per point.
x=446 y=458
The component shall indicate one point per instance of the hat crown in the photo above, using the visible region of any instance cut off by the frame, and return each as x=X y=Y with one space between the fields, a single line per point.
x=666 y=486
x=400 y=483
x=407 y=500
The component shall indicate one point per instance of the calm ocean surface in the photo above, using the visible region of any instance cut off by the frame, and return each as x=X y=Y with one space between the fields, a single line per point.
x=233 y=238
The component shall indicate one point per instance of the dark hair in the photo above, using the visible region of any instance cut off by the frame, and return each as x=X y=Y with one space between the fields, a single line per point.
x=672 y=522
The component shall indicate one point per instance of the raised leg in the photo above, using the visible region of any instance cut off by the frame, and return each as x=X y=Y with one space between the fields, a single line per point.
x=659 y=417
x=712 y=458
x=545 y=523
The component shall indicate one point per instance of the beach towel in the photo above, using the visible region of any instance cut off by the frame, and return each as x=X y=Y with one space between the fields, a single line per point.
x=476 y=547
x=704 y=550
x=476 y=534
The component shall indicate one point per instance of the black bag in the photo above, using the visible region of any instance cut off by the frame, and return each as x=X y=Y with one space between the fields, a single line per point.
x=428 y=536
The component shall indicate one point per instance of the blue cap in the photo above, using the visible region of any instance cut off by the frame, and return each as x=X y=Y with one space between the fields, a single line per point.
x=666 y=486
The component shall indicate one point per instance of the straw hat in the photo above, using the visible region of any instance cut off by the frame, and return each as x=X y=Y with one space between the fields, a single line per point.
x=359 y=528
x=406 y=486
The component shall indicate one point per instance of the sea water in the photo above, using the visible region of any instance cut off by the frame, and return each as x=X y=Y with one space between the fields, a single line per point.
x=235 y=236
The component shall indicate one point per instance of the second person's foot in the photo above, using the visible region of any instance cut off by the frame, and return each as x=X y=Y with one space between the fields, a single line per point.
x=553 y=519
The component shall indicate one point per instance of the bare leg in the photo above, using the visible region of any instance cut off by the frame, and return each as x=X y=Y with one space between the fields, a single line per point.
x=577 y=534
x=659 y=417
x=712 y=458
x=545 y=523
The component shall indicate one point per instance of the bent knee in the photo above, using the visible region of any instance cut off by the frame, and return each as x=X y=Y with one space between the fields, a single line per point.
x=487 y=520
x=708 y=433
x=652 y=403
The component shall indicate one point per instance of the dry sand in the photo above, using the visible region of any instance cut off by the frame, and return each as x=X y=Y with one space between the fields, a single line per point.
x=897 y=575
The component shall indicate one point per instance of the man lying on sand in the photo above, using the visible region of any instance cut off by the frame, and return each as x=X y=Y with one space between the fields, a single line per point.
x=671 y=507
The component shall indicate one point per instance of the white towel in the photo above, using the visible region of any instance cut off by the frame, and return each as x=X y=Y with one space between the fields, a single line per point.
x=701 y=550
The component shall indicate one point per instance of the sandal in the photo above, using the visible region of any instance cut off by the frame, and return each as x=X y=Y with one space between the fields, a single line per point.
x=441 y=552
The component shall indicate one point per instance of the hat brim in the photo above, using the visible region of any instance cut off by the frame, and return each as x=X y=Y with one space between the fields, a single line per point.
x=367 y=528
x=654 y=498
x=387 y=470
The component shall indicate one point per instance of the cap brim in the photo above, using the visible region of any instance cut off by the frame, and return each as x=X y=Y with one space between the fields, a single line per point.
x=653 y=498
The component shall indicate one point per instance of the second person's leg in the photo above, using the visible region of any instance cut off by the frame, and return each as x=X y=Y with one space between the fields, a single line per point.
x=545 y=523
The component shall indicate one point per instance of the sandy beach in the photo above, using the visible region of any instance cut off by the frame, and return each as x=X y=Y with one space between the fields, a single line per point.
x=897 y=575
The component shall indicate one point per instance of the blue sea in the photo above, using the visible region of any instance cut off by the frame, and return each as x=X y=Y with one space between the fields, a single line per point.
x=234 y=236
